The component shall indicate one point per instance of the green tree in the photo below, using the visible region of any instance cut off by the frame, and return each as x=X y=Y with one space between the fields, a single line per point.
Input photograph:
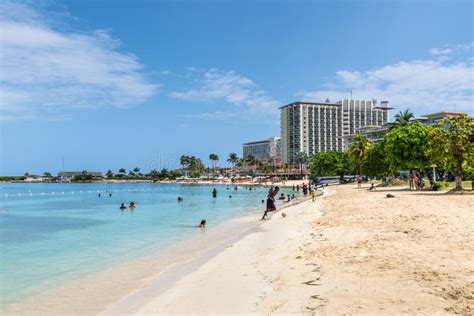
x=185 y=162
x=331 y=163
x=403 y=118
x=196 y=166
x=233 y=159
x=122 y=171
x=213 y=158
x=109 y=174
x=375 y=165
x=153 y=174
x=451 y=145
x=358 y=150
x=406 y=147
x=47 y=175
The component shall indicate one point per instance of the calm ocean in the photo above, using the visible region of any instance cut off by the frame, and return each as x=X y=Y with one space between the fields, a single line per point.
x=50 y=233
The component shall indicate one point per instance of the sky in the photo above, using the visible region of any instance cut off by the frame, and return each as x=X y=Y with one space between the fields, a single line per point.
x=122 y=84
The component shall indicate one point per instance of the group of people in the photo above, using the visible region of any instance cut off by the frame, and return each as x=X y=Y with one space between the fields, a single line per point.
x=131 y=206
x=306 y=188
x=110 y=194
x=415 y=181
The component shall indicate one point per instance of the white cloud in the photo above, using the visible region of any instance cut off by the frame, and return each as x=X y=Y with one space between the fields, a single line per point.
x=422 y=85
x=439 y=51
x=47 y=71
x=238 y=91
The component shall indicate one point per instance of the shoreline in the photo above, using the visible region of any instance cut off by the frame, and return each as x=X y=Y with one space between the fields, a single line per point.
x=351 y=252
x=107 y=286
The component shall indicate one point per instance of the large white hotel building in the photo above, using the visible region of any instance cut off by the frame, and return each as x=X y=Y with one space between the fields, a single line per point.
x=317 y=127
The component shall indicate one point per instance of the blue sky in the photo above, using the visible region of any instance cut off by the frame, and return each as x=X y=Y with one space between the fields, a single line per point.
x=110 y=84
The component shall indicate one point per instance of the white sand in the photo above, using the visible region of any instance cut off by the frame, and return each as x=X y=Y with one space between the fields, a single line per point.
x=351 y=252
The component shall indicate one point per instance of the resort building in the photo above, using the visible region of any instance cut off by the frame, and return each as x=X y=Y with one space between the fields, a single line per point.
x=69 y=175
x=435 y=118
x=310 y=127
x=263 y=150
x=375 y=133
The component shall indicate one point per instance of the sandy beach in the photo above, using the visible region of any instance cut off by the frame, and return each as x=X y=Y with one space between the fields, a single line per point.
x=350 y=252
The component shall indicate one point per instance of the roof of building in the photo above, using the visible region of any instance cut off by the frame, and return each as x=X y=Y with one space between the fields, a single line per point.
x=444 y=113
x=312 y=103
x=383 y=107
x=257 y=142
x=338 y=103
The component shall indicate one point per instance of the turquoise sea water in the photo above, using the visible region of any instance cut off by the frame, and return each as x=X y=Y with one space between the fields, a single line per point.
x=52 y=232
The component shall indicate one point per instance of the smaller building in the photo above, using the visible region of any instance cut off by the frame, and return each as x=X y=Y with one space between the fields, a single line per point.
x=69 y=175
x=373 y=133
x=264 y=150
x=36 y=178
x=435 y=118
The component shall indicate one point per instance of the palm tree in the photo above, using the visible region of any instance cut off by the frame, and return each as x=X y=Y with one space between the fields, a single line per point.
x=403 y=118
x=213 y=158
x=359 y=149
x=233 y=159
x=122 y=171
x=136 y=170
x=301 y=159
x=251 y=160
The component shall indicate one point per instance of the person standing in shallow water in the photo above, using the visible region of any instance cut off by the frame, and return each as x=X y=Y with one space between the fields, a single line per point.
x=271 y=201
x=214 y=193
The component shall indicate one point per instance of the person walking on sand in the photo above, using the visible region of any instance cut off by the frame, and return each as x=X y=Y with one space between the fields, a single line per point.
x=313 y=194
x=415 y=182
x=271 y=201
x=359 y=182
x=410 y=181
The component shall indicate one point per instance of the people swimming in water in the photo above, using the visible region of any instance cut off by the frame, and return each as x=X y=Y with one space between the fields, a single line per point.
x=132 y=205
x=180 y=199
x=282 y=196
x=98 y=195
x=110 y=194
x=230 y=196
x=214 y=193
x=122 y=206
x=203 y=224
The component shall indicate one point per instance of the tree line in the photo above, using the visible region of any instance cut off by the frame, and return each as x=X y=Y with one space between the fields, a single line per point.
x=408 y=145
